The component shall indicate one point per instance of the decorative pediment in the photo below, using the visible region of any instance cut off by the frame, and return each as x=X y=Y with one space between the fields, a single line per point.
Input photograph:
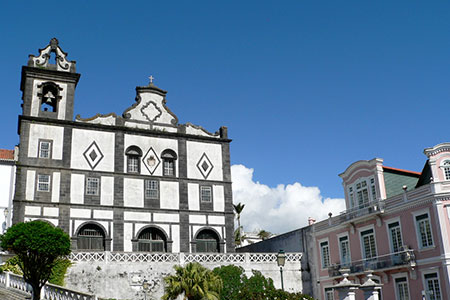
x=150 y=107
x=43 y=60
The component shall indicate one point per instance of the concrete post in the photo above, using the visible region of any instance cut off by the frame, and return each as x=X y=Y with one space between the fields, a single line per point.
x=346 y=289
x=8 y=280
x=371 y=289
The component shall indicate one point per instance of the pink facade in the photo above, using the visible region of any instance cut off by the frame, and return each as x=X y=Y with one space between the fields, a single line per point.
x=396 y=227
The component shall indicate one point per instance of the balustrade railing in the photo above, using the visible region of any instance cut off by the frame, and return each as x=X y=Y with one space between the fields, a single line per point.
x=180 y=258
x=362 y=210
x=48 y=292
x=405 y=258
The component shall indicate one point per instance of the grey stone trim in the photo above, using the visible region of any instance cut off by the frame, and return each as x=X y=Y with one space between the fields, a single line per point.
x=67 y=147
x=124 y=129
x=119 y=153
x=226 y=167
x=152 y=202
x=64 y=217
x=45 y=74
x=118 y=230
x=55 y=167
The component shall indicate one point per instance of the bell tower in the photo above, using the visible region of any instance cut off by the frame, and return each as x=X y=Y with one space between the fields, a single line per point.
x=47 y=85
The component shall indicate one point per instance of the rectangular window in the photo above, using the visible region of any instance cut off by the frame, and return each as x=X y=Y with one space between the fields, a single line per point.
x=325 y=254
x=133 y=164
x=92 y=186
x=168 y=167
x=362 y=194
x=447 y=173
x=424 y=231
x=205 y=194
x=345 y=250
x=396 y=236
x=44 y=149
x=432 y=286
x=373 y=189
x=329 y=295
x=43 y=184
x=368 y=243
x=401 y=286
x=351 y=197
x=151 y=189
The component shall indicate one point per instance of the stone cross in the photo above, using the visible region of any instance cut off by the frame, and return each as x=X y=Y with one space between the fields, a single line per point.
x=151 y=78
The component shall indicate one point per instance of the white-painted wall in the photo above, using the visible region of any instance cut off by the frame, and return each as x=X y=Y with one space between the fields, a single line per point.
x=46 y=132
x=145 y=143
x=169 y=195
x=77 y=188
x=195 y=151
x=82 y=139
x=36 y=102
x=133 y=192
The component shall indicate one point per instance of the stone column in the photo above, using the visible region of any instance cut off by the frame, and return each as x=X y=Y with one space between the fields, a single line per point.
x=371 y=289
x=346 y=289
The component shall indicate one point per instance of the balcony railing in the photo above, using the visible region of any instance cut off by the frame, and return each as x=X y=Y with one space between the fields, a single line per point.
x=362 y=210
x=405 y=258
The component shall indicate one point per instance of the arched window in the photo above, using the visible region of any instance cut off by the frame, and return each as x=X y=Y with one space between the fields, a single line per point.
x=169 y=157
x=91 y=237
x=446 y=169
x=152 y=240
x=49 y=97
x=134 y=155
x=207 y=241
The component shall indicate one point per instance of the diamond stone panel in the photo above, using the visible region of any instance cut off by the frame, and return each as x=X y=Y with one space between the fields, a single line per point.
x=151 y=161
x=93 y=155
x=205 y=166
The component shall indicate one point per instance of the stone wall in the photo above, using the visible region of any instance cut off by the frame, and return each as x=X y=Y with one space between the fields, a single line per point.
x=120 y=275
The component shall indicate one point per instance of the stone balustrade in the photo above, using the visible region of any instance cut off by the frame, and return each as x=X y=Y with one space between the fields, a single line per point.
x=48 y=292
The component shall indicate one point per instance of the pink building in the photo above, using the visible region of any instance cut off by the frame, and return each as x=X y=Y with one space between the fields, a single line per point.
x=396 y=227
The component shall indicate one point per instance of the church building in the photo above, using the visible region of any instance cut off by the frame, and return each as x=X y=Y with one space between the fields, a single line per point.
x=136 y=182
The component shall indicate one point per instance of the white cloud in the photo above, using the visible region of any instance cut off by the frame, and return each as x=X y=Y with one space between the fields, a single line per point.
x=278 y=209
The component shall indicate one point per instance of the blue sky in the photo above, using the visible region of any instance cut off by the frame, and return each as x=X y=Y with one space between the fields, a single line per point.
x=305 y=87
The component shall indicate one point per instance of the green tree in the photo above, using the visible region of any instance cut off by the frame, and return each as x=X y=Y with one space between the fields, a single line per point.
x=194 y=282
x=38 y=246
x=264 y=235
x=238 y=208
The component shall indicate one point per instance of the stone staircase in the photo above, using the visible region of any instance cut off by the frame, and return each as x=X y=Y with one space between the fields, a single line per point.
x=9 y=294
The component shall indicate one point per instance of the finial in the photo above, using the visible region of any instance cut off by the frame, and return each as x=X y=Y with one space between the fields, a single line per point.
x=151 y=79
x=54 y=43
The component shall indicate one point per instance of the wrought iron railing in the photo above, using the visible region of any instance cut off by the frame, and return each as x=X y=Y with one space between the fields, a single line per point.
x=405 y=258
x=362 y=210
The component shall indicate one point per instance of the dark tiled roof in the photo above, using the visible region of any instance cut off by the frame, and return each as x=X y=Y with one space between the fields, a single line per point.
x=395 y=179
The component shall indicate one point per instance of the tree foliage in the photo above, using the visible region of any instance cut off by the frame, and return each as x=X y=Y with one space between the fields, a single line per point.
x=194 y=282
x=237 y=286
x=38 y=246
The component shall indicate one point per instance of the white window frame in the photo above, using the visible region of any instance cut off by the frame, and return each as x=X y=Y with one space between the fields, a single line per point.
x=326 y=290
x=89 y=190
x=148 y=188
x=209 y=188
x=445 y=166
x=322 y=261
x=352 y=191
x=38 y=182
x=428 y=272
x=398 y=276
x=418 y=236
x=50 y=146
x=339 y=236
x=365 y=228
x=391 y=244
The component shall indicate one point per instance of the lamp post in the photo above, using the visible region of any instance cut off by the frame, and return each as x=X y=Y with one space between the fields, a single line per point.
x=5 y=224
x=145 y=288
x=281 y=259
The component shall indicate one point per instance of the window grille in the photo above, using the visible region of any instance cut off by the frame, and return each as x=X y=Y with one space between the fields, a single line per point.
x=396 y=236
x=401 y=285
x=151 y=189
x=432 y=286
x=325 y=253
x=424 y=229
x=44 y=149
x=91 y=237
x=92 y=186
x=205 y=194
x=151 y=240
x=43 y=183
x=368 y=243
x=207 y=241
x=345 y=250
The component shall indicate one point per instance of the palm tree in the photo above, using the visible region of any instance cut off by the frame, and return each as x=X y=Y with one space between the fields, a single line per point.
x=264 y=234
x=194 y=282
x=238 y=208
